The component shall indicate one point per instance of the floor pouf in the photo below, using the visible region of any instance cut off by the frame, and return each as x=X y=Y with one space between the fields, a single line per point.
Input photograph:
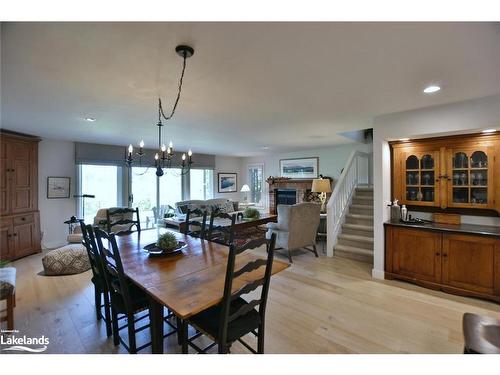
x=66 y=260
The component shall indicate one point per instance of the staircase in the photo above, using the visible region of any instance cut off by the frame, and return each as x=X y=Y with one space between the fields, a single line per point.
x=355 y=240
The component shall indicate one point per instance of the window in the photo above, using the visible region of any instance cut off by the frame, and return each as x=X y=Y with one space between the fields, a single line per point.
x=143 y=194
x=255 y=182
x=101 y=181
x=171 y=187
x=201 y=184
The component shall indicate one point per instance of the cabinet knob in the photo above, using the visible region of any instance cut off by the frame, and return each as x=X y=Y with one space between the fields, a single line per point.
x=445 y=255
x=438 y=254
x=15 y=234
x=23 y=218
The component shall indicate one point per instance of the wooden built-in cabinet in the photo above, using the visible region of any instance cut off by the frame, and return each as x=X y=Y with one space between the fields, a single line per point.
x=459 y=172
x=466 y=264
x=19 y=216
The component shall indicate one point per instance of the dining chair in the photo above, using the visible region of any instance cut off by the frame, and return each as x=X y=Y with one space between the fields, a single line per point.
x=127 y=300
x=195 y=223
x=120 y=220
x=101 y=291
x=221 y=228
x=481 y=334
x=234 y=317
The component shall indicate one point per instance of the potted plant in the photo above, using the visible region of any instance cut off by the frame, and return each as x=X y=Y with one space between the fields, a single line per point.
x=167 y=242
x=251 y=213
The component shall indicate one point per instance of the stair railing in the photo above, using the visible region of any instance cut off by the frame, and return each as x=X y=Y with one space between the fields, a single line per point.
x=357 y=171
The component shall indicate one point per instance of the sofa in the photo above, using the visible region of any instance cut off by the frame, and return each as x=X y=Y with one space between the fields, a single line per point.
x=222 y=204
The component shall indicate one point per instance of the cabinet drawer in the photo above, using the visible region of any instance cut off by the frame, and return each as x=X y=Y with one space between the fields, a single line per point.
x=5 y=222
x=23 y=219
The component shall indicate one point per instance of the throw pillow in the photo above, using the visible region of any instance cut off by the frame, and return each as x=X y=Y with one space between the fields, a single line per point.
x=226 y=207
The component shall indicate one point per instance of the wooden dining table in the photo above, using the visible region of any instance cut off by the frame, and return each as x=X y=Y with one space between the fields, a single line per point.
x=187 y=282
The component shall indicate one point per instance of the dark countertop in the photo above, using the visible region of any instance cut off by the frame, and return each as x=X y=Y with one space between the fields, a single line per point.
x=461 y=228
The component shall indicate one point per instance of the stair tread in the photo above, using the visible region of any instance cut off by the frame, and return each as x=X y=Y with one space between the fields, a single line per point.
x=358 y=226
x=360 y=216
x=354 y=237
x=367 y=206
x=353 y=249
x=364 y=188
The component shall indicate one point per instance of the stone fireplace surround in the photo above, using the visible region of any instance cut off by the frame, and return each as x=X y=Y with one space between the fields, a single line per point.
x=301 y=186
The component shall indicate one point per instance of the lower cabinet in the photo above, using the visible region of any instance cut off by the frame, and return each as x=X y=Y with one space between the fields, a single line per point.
x=466 y=264
x=19 y=236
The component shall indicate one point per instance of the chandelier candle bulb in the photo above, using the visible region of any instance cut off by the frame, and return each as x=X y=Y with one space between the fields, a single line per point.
x=130 y=149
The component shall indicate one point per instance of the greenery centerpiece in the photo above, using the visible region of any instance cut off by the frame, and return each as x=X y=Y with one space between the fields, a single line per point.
x=167 y=241
x=251 y=213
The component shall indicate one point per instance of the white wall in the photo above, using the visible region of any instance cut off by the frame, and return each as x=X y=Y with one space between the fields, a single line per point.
x=228 y=164
x=55 y=158
x=452 y=118
x=331 y=160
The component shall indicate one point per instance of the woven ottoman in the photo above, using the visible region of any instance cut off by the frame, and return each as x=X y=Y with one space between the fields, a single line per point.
x=67 y=260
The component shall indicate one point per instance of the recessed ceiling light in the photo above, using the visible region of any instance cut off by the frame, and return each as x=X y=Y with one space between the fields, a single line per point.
x=431 y=89
x=489 y=130
x=265 y=147
x=404 y=139
x=90 y=119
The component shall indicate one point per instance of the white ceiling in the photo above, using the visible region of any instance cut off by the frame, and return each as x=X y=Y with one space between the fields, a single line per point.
x=288 y=86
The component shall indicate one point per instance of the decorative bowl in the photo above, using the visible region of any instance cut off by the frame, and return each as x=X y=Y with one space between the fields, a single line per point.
x=153 y=250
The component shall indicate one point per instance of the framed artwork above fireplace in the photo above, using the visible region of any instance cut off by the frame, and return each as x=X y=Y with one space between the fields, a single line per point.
x=302 y=168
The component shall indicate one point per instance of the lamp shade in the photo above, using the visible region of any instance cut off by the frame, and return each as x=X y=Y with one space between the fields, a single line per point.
x=321 y=185
x=245 y=188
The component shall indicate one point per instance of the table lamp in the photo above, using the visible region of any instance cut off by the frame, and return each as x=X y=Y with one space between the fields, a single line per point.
x=322 y=186
x=245 y=189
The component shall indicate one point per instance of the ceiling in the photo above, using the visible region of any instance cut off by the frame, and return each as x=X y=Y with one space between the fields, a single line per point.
x=285 y=86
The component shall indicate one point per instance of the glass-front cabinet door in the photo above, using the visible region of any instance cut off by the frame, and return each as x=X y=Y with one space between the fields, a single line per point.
x=420 y=180
x=470 y=177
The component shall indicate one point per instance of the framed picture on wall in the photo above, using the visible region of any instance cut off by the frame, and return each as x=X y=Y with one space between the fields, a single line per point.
x=299 y=168
x=58 y=187
x=227 y=182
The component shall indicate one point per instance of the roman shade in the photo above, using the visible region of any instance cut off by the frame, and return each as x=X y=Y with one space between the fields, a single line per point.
x=93 y=153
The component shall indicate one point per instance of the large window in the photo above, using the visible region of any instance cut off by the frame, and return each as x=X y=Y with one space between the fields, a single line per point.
x=117 y=186
x=255 y=182
x=201 y=183
x=143 y=194
x=171 y=187
x=101 y=181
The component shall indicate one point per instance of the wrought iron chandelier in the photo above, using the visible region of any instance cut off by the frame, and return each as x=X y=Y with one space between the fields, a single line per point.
x=163 y=158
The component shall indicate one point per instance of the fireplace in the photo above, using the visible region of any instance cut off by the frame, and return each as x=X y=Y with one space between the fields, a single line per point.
x=286 y=196
x=288 y=191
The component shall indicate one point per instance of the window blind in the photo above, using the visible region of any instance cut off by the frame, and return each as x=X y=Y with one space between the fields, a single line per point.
x=93 y=153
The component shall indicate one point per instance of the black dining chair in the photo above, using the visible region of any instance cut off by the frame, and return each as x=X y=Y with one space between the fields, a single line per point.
x=127 y=300
x=221 y=228
x=195 y=223
x=101 y=291
x=122 y=218
x=234 y=317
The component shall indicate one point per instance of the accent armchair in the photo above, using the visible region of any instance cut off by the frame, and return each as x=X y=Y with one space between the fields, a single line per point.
x=296 y=227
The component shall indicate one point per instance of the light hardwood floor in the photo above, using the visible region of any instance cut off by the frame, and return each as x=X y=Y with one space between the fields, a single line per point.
x=325 y=305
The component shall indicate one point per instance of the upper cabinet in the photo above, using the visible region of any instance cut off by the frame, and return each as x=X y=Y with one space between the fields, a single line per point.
x=420 y=177
x=449 y=172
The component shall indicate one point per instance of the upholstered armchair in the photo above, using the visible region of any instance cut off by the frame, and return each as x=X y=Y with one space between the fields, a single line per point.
x=296 y=227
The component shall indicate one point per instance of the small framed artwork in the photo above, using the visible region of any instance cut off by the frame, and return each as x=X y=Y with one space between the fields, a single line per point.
x=228 y=182
x=304 y=168
x=58 y=187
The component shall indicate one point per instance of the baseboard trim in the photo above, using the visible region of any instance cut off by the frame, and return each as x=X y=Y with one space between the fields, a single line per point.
x=378 y=274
